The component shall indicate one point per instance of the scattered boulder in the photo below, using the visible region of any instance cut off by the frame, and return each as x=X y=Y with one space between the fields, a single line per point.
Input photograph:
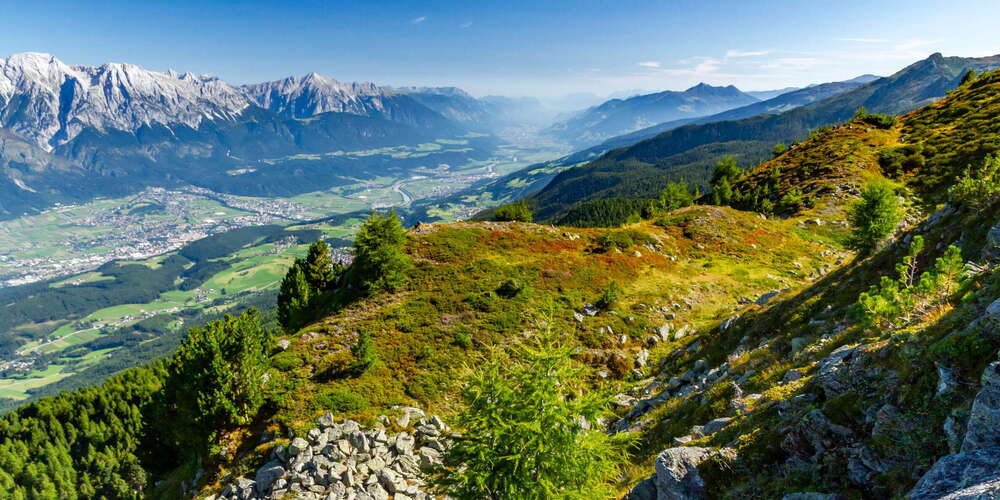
x=715 y=425
x=983 y=429
x=728 y=322
x=798 y=344
x=991 y=251
x=764 y=299
x=967 y=475
x=792 y=375
x=664 y=331
x=946 y=380
x=993 y=314
x=642 y=358
x=834 y=371
x=297 y=446
x=646 y=490
x=813 y=436
x=677 y=476
x=682 y=332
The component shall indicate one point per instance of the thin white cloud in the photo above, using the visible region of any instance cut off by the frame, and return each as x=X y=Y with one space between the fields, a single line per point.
x=864 y=40
x=709 y=65
x=650 y=64
x=746 y=53
x=466 y=26
x=909 y=45
x=791 y=63
x=419 y=20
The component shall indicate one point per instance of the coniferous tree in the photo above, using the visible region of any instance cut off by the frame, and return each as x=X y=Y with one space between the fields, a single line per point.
x=526 y=433
x=518 y=211
x=380 y=263
x=725 y=174
x=294 y=296
x=319 y=269
x=675 y=195
x=216 y=378
x=874 y=216
x=363 y=352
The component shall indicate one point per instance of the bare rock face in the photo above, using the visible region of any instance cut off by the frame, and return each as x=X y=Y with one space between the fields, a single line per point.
x=966 y=476
x=974 y=472
x=302 y=97
x=983 y=429
x=50 y=103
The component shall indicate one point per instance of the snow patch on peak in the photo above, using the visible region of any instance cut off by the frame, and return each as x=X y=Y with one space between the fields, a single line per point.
x=312 y=94
x=59 y=101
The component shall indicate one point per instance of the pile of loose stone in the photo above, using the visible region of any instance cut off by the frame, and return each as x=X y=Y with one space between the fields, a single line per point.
x=344 y=461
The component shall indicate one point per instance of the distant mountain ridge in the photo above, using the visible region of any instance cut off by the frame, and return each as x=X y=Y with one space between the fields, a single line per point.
x=689 y=152
x=620 y=116
x=70 y=133
x=313 y=94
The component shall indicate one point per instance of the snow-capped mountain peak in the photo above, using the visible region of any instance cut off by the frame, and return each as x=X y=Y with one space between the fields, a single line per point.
x=50 y=102
x=309 y=95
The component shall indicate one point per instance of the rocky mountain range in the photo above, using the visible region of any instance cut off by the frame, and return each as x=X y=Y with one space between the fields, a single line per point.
x=688 y=153
x=49 y=103
x=620 y=116
x=118 y=127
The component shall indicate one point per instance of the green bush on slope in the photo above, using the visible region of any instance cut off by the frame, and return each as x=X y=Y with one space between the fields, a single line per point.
x=875 y=216
x=526 y=430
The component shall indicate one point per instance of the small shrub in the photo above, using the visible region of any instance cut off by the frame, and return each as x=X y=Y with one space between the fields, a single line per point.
x=675 y=195
x=510 y=288
x=287 y=361
x=522 y=436
x=610 y=297
x=980 y=187
x=894 y=302
x=364 y=353
x=463 y=339
x=874 y=216
x=623 y=239
x=792 y=201
x=340 y=400
x=874 y=119
x=482 y=302
x=674 y=220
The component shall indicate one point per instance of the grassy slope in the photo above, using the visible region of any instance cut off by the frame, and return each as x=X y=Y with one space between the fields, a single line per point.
x=706 y=258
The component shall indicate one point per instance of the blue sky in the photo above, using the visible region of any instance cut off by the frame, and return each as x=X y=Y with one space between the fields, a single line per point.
x=543 y=48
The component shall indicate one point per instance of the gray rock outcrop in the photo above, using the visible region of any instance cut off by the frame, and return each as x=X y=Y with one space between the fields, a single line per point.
x=966 y=476
x=991 y=251
x=974 y=472
x=676 y=476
